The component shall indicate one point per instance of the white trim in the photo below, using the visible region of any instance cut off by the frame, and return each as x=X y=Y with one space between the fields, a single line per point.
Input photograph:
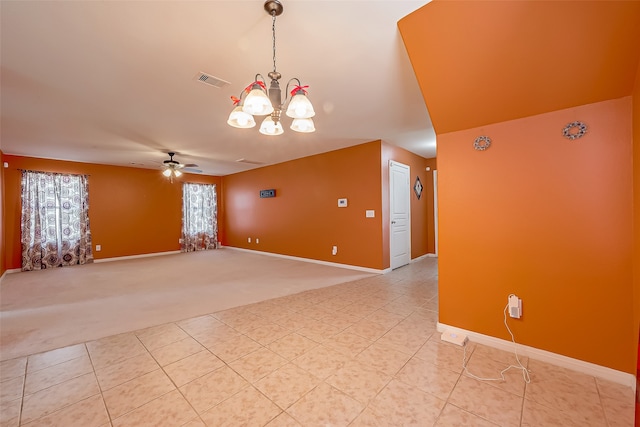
x=13 y=270
x=315 y=261
x=120 y=258
x=592 y=369
x=420 y=258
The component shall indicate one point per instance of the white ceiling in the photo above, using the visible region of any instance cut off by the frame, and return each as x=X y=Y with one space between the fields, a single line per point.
x=113 y=82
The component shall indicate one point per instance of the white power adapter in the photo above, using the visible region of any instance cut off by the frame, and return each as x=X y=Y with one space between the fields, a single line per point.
x=456 y=338
x=515 y=307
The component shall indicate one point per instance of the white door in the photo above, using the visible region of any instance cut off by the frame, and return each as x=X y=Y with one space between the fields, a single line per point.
x=400 y=199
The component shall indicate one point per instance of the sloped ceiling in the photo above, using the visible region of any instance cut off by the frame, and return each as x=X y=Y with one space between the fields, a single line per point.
x=482 y=62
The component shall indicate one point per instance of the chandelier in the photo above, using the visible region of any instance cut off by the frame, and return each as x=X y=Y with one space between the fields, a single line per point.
x=255 y=100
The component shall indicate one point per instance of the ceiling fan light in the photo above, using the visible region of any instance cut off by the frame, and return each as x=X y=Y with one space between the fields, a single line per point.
x=257 y=103
x=167 y=172
x=177 y=173
x=240 y=119
x=303 y=125
x=300 y=107
x=269 y=127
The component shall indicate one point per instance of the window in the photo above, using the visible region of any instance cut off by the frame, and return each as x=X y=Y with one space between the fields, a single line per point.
x=199 y=217
x=55 y=220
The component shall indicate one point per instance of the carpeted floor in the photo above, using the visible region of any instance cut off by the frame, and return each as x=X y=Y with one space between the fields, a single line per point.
x=48 y=309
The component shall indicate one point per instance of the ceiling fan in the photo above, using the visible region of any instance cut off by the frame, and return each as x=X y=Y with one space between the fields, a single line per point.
x=174 y=168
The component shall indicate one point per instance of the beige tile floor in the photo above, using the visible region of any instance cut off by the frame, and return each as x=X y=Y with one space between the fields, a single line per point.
x=363 y=353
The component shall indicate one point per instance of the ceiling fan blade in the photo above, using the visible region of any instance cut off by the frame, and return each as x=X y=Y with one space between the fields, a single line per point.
x=190 y=165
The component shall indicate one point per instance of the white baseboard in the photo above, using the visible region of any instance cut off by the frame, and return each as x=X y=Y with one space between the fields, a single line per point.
x=315 y=261
x=592 y=369
x=421 y=257
x=121 y=258
x=9 y=271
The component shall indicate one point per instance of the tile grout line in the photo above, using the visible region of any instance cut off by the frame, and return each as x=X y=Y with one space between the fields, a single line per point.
x=104 y=402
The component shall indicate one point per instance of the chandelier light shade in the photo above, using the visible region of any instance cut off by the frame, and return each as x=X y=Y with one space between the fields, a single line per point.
x=257 y=103
x=303 y=125
x=271 y=127
x=300 y=107
x=256 y=100
x=239 y=119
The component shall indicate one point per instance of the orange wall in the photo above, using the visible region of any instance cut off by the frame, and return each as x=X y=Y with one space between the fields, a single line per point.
x=304 y=219
x=131 y=211
x=636 y=207
x=547 y=219
x=3 y=263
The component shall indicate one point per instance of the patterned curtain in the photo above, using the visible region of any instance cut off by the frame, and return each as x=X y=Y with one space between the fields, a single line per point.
x=199 y=217
x=55 y=220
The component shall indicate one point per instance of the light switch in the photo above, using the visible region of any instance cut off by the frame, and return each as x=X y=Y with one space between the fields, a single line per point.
x=370 y=213
x=342 y=203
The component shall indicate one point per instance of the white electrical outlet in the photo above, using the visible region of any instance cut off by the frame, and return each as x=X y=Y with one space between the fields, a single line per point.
x=98 y=248
x=248 y=239
x=515 y=307
x=334 y=251
x=257 y=240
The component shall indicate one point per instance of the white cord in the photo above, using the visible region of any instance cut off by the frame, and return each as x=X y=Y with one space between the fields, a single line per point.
x=525 y=372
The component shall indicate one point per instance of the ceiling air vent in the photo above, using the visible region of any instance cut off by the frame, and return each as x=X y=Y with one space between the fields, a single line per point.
x=211 y=80
x=250 y=162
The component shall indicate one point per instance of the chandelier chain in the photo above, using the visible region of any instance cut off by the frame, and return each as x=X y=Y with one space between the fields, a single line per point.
x=273 y=31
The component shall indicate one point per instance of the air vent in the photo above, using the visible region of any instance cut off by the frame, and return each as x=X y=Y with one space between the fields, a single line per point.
x=211 y=80
x=250 y=162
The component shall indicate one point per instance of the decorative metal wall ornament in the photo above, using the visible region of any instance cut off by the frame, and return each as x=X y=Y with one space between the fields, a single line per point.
x=574 y=130
x=482 y=143
x=417 y=187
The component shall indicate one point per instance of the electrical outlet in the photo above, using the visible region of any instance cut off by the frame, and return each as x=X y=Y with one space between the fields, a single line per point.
x=334 y=251
x=257 y=240
x=248 y=239
x=515 y=307
x=98 y=248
